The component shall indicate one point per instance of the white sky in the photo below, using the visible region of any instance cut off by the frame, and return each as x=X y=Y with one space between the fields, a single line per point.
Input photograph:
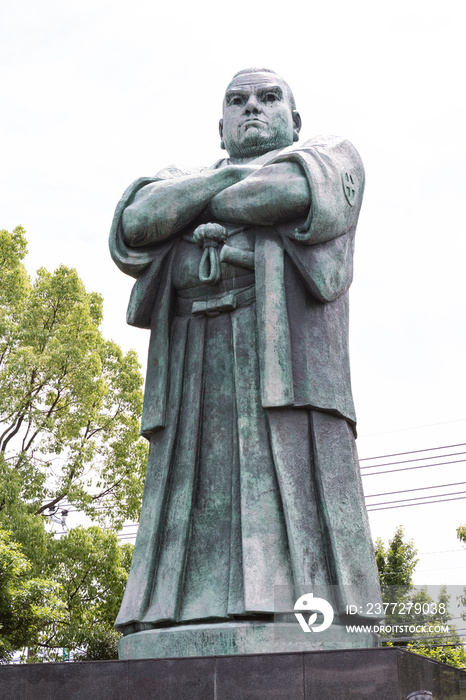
x=95 y=94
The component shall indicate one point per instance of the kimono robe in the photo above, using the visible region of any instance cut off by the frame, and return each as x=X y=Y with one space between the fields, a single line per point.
x=252 y=481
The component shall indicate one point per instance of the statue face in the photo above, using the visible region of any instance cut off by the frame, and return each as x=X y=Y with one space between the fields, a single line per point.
x=257 y=116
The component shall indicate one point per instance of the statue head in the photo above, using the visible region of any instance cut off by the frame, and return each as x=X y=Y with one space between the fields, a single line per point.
x=259 y=114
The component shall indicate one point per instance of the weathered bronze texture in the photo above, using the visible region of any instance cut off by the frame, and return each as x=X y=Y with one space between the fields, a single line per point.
x=243 y=271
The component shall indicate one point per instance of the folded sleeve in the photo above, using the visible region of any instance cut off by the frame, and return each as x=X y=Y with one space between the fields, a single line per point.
x=335 y=174
x=144 y=263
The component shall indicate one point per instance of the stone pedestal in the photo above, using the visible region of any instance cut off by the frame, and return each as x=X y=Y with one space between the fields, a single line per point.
x=239 y=638
x=358 y=674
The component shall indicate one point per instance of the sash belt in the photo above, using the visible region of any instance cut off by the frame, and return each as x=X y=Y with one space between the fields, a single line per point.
x=238 y=283
x=216 y=305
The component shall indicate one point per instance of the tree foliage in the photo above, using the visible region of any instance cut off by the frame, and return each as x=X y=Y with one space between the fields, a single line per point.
x=411 y=605
x=27 y=604
x=396 y=561
x=453 y=655
x=70 y=400
x=70 y=404
x=90 y=568
x=461 y=533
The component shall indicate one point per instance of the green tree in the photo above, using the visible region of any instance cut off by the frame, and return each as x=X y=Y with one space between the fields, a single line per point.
x=90 y=568
x=453 y=655
x=409 y=605
x=27 y=604
x=70 y=400
x=70 y=404
x=396 y=561
x=461 y=534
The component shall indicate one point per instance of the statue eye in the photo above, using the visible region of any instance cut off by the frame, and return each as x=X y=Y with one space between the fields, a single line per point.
x=270 y=97
x=237 y=100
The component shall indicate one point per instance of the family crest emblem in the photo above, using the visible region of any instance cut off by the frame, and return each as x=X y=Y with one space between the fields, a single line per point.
x=350 y=186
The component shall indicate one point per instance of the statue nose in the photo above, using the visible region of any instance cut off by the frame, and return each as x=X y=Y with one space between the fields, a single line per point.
x=252 y=106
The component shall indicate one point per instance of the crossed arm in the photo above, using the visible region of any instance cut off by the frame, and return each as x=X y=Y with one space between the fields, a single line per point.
x=238 y=194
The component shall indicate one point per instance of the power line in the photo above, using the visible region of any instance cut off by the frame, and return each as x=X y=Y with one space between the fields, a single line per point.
x=418 y=498
x=420 y=466
x=406 y=461
x=415 y=427
x=120 y=535
x=445 y=568
x=412 y=452
x=407 y=505
x=443 y=551
x=420 y=488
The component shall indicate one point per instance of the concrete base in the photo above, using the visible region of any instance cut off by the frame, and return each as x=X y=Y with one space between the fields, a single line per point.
x=222 y=639
x=358 y=674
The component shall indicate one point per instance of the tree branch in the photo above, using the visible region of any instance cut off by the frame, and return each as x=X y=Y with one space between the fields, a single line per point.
x=13 y=433
x=112 y=487
x=47 y=415
x=72 y=595
x=51 y=504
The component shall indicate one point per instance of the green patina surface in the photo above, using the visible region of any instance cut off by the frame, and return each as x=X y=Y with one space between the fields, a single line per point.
x=243 y=271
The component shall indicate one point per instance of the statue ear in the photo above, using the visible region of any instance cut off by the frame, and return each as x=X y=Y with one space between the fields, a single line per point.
x=220 y=129
x=296 y=125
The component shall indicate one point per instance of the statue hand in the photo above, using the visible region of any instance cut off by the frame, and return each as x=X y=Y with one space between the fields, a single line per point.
x=238 y=173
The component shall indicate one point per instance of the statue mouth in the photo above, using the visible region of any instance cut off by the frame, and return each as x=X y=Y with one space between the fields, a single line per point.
x=253 y=122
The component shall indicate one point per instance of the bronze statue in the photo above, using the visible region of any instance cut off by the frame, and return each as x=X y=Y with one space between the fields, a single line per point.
x=243 y=271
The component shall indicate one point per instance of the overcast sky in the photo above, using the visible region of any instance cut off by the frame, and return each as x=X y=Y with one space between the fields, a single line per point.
x=97 y=93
